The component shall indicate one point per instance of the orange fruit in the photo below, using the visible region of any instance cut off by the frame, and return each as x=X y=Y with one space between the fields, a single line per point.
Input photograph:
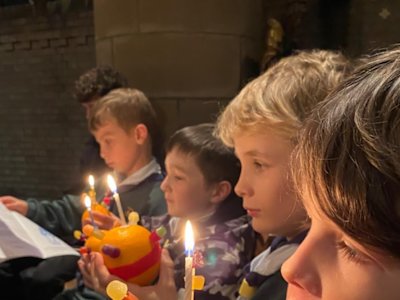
x=95 y=207
x=133 y=242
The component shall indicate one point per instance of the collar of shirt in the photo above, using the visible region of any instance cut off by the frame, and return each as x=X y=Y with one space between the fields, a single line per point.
x=151 y=168
x=271 y=260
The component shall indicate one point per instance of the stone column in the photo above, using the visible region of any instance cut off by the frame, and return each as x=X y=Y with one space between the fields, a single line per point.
x=190 y=57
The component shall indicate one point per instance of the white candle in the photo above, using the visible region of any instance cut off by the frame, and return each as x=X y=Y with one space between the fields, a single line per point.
x=189 y=270
x=88 y=204
x=92 y=192
x=113 y=187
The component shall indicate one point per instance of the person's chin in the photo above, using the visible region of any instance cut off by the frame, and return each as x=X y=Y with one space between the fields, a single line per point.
x=171 y=209
x=257 y=224
x=296 y=293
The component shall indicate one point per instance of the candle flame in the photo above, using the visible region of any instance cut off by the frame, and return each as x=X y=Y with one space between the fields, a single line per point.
x=111 y=184
x=91 y=181
x=88 y=202
x=189 y=238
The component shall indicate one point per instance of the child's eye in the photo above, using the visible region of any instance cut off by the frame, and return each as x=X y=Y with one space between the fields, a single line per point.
x=178 y=178
x=351 y=253
x=258 y=165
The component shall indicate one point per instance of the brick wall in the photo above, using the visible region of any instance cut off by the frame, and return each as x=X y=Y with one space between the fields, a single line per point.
x=41 y=126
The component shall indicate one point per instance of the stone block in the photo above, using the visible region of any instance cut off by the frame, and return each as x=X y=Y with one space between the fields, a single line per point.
x=237 y=17
x=167 y=114
x=180 y=65
x=251 y=53
x=104 y=52
x=115 y=17
x=193 y=112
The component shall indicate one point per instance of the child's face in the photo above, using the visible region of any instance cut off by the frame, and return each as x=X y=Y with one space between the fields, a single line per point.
x=330 y=265
x=265 y=184
x=187 y=193
x=118 y=148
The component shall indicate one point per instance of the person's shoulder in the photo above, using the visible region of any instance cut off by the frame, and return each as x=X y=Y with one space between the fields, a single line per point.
x=154 y=222
x=237 y=226
x=273 y=288
x=232 y=233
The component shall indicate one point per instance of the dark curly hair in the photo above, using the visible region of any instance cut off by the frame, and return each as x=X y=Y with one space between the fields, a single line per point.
x=98 y=82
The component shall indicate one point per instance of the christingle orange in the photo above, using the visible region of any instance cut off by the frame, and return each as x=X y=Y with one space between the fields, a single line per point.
x=130 y=252
x=94 y=207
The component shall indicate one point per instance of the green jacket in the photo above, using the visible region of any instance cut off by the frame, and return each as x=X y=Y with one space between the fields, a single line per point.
x=62 y=216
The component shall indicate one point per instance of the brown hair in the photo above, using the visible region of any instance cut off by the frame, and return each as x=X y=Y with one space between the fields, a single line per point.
x=284 y=95
x=128 y=107
x=347 y=162
x=98 y=82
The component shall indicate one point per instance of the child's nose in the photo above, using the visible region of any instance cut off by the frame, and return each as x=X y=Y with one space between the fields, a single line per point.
x=103 y=153
x=300 y=271
x=241 y=187
x=163 y=185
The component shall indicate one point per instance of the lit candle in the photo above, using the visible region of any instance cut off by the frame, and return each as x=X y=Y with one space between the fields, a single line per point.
x=113 y=187
x=92 y=191
x=189 y=270
x=88 y=204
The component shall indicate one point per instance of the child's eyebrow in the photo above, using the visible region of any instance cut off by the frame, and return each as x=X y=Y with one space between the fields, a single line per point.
x=177 y=167
x=104 y=135
x=258 y=153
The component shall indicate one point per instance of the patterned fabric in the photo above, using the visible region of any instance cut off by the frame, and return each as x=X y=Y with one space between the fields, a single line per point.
x=267 y=264
x=226 y=248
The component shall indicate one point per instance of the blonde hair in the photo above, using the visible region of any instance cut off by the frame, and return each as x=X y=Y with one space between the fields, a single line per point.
x=284 y=95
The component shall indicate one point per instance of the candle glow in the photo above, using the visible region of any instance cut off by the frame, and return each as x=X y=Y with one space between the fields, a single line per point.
x=189 y=239
x=91 y=181
x=113 y=187
x=88 y=204
x=189 y=270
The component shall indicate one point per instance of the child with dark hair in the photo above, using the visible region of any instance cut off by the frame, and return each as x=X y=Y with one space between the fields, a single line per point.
x=347 y=169
x=201 y=174
x=96 y=83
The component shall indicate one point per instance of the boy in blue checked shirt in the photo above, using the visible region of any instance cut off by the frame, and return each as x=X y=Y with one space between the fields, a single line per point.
x=201 y=174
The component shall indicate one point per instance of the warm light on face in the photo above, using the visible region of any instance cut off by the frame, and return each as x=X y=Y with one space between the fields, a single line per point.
x=111 y=184
x=88 y=202
x=189 y=238
x=91 y=181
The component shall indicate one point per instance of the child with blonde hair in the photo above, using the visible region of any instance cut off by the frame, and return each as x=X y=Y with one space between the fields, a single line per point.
x=262 y=125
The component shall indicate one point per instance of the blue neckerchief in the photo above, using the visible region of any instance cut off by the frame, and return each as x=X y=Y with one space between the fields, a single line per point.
x=254 y=278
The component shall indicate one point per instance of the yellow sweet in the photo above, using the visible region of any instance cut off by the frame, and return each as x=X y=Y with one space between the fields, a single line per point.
x=116 y=290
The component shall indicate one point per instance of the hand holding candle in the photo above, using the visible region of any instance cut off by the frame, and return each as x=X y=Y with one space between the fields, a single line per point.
x=113 y=187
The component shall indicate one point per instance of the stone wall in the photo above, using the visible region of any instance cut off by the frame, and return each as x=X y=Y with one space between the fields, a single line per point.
x=189 y=57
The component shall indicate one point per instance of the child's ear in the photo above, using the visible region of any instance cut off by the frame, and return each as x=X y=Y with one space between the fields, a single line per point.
x=141 y=133
x=221 y=191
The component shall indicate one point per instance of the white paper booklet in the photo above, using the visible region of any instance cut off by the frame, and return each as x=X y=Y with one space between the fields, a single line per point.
x=20 y=237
